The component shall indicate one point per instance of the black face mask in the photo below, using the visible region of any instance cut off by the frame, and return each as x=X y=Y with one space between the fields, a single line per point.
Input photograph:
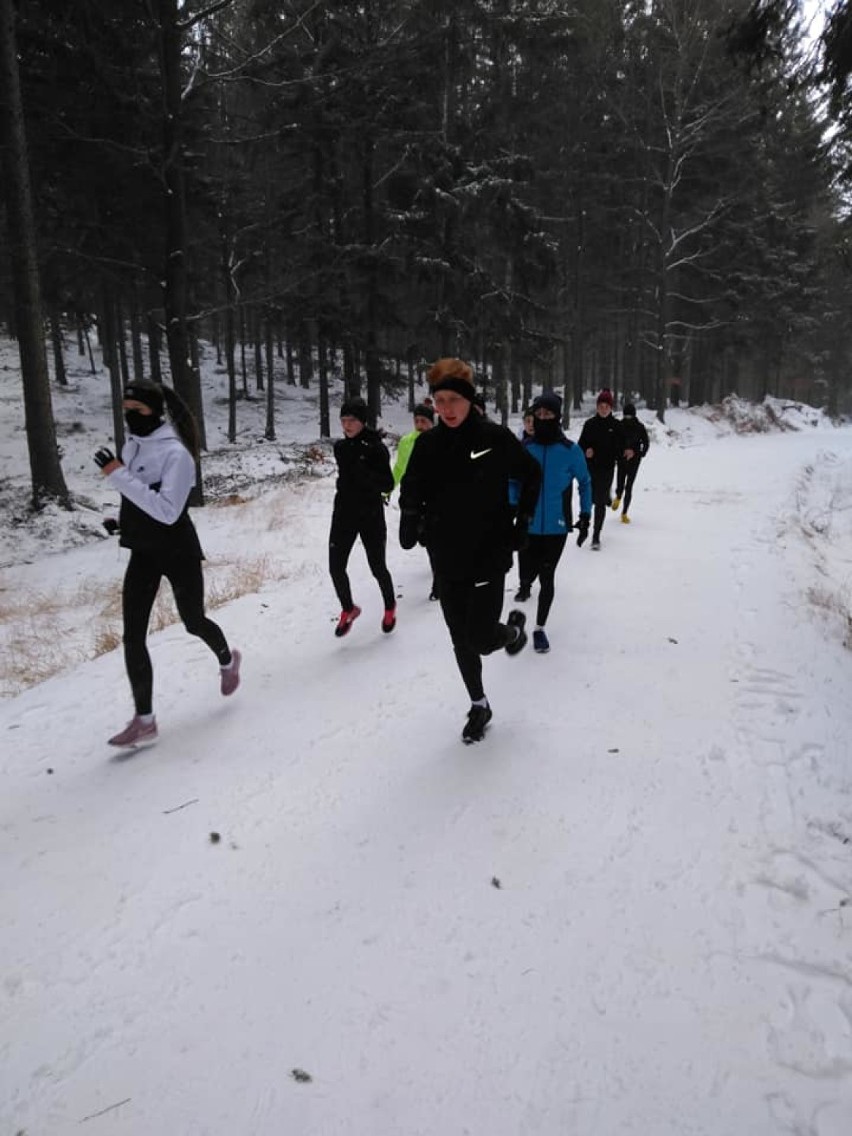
x=141 y=424
x=546 y=430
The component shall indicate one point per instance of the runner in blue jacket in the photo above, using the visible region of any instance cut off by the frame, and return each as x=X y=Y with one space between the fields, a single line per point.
x=562 y=463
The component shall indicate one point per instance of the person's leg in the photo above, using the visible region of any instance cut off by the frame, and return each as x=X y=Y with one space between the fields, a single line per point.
x=187 y=581
x=455 y=597
x=485 y=632
x=141 y=583
x=527 y=572
x=550 y=552
x=619 y=481
x=340 y=542
x=530 y=565
x=601 y=481
x=435 y=592
x=628 y=487
x=374 y=536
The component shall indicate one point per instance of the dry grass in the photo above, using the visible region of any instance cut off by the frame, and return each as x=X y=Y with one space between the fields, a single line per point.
x=42 y=635
x=835 y=605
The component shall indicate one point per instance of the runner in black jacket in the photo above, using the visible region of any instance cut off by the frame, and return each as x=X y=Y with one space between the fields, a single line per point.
x=364 y=475
x=601 y=442
x=635 y=439
x=455 y=499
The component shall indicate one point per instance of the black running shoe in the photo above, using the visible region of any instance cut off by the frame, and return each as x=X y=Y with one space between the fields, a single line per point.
x=516 y=622
x=478 y=718
x=522 y=594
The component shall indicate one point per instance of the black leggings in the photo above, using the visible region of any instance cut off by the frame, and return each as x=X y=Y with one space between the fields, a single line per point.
x=601 y=485
x=539 y=560
x=141 y=584
x=472 y=615
x=627 y=471
x=345 y=530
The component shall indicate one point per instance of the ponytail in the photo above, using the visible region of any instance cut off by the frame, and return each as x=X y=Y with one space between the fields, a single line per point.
x=183 y=420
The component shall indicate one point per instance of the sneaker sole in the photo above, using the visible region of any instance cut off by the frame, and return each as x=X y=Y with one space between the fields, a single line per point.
x=143 y=744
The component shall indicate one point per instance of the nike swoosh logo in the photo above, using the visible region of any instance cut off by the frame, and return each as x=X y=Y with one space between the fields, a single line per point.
x=474 y=454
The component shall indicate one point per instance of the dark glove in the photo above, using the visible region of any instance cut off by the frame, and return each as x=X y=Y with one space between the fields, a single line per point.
x=582 y=527
x=111 y=525
x=520 y=534
x=103 y=457
x=410 y=529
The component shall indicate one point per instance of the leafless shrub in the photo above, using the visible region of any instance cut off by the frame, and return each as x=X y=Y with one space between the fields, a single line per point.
x=36 y=627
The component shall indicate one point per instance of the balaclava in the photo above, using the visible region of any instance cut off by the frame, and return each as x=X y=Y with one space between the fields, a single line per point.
x=144 y=424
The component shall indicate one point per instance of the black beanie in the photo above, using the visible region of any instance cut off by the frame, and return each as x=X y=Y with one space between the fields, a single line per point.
x=148 y=393
x=629 y=410
x=548 y=401
x=355 y=408
x=421 y=410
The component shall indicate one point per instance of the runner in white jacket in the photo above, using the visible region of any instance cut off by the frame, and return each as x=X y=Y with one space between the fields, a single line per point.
x=155 y=477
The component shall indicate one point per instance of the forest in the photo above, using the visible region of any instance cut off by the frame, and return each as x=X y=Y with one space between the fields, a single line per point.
x=651 y=195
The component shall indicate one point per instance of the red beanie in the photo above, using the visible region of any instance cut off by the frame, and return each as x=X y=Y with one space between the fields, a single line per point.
x=604 y=396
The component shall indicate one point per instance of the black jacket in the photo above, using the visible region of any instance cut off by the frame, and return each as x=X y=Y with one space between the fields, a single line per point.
x=634 y=436
x=603 y=435
x=363 y=471
x=457 y=483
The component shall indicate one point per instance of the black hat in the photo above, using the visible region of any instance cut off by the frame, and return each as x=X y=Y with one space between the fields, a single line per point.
x=629 y=410
x=548 y=401
x=355 y=408
x=421 y=410
x=451 y=374
x=150 y=394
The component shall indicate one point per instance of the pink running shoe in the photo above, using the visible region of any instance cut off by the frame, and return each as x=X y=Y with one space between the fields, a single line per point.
x=347 y=618
x=230 y=675
x=136 y=733
x=389 y=620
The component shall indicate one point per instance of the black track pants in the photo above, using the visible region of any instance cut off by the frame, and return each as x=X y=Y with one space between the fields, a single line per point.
x=346 y=527
x=141 y=584
x=472 y=614
x=540 y=559
x=627 y=471
x=601 y=485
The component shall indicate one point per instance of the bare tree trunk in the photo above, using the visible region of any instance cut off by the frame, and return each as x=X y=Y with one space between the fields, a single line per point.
x=154 y=341
x=121 y=343
x=45 y=468
x=306 y=363
x=108 y=348
x=243 y=363
x=269 y=433
x=56 y=341
x=186 y=381
x=136 y=339
x=322 y=354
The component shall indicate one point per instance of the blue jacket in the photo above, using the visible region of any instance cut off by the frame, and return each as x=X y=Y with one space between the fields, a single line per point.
x=562 y=463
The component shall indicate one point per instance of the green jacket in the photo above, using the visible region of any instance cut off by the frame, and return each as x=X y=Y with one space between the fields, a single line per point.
x=403 y=453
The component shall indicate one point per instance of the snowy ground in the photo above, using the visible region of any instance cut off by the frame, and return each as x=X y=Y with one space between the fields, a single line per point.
x=628 y=911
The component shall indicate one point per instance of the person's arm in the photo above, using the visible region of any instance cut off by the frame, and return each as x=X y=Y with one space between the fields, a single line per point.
x=412 y=498
x=381 y=467
x=168 y=502
x=403 y=453
x=644 y=440
x=525 y=470
x=580 y=473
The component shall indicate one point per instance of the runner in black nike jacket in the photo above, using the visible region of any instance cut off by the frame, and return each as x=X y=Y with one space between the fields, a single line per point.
x=454 y=499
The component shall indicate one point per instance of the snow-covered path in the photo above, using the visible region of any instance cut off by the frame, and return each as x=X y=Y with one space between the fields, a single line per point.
x=624 y=913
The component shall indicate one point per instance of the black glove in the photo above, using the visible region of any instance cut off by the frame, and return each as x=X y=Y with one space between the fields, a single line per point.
x=410 y=529
x=111 y=525
x=582 y=527
x=103 y=457
x=520 y=534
